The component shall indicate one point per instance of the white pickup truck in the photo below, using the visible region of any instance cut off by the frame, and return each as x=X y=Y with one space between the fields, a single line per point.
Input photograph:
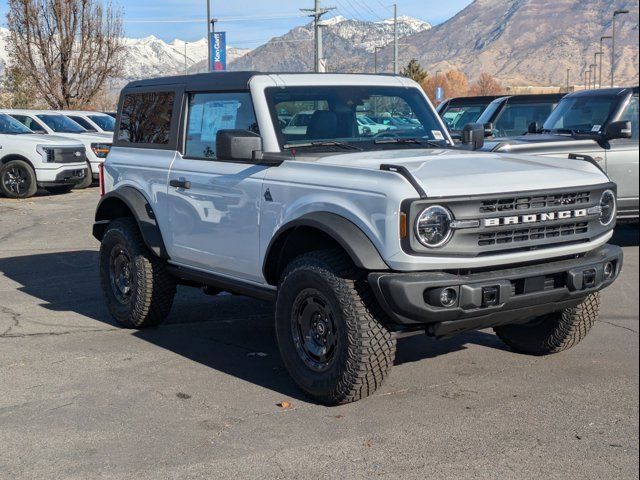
x=29 y=160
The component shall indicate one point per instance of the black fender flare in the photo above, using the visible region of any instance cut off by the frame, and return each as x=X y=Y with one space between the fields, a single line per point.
x=348 y=235
x=128 y=201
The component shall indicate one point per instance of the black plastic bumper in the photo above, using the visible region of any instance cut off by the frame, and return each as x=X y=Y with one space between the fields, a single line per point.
x=491 y=298
x=67 y=177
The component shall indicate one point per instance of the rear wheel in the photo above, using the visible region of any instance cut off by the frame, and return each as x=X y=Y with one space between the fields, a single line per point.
x=137 y=287
x=555 y=332
x=17 y=179
x=86 y=181
x=331 y=332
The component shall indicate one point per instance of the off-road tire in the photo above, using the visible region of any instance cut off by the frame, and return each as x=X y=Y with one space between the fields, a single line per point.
x=365 y=349
x=87 y=181
x=555 y=332
x=28 y=183
x=151 y=287
x=59 y=190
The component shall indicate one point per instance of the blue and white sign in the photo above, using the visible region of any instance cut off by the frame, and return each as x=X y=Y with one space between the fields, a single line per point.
x=439 y=93
x=218 y=51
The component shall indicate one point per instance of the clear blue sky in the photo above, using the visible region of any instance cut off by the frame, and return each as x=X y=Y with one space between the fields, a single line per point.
x=250 y=23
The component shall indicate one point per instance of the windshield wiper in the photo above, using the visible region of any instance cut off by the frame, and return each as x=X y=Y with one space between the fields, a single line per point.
x=418 y=141
x=325 y=143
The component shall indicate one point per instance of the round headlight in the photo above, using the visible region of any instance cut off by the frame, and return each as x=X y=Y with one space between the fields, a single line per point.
x=433 y=226
x=608 y=207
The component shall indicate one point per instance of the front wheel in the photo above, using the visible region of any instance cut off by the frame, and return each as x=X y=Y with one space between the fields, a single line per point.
x=17 y=179
x=330 y=330
x=137 y=287
x=555 y=332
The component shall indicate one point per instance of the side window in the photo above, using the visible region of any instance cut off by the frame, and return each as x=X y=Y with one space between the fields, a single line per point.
x=83 y=123
x=630 y=114
x=30 y=123
x=211 y=112
x=146 y=118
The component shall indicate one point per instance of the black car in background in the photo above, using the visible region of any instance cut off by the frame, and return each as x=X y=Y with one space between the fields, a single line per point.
x=515 y=115
x=459 y=111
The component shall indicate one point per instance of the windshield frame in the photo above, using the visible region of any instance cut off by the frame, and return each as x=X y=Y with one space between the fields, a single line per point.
x=416 y=100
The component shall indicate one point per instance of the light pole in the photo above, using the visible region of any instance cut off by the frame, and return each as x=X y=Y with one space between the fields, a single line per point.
x=209 y=36
x=588 y=83
x=606 y=37
x=613 y=43
x=595 y=70
x=375 y=58
x=396 y=67
x=568 y=70
x=592 y=73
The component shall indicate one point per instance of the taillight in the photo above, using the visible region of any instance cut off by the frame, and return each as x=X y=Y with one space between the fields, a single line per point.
x=101 y=178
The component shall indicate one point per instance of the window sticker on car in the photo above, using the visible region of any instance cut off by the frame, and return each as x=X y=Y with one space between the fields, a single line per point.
x=596 y=128
x=437 y=134
x=195 y=121
x=218 y=116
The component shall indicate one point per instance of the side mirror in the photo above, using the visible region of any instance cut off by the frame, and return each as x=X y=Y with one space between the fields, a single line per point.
x=533 y=127
x=473 y=135
x=617 y=130
x=240 y=145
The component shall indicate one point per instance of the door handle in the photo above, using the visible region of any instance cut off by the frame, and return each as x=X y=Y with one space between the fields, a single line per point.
x=180 y=183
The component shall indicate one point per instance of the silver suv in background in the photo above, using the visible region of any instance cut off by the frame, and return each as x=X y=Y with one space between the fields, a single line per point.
x=598 y=125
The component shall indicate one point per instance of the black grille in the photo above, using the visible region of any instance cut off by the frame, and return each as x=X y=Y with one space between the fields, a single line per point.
x=530 y=202
x=66 y=155
x=505 y=237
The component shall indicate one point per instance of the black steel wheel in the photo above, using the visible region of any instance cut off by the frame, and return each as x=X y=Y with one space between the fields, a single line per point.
x=17 y=179
x=136 y=285
x=332 y=334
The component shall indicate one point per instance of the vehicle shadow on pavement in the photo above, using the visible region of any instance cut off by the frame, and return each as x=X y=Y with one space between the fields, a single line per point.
x=231 y=334
x=626 y=235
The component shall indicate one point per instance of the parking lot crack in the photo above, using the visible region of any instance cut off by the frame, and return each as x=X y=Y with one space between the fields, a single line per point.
x=619 y=326
x=15 y=320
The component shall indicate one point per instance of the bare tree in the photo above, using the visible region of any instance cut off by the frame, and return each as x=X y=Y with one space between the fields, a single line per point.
x=66 y=49
x=486 y=85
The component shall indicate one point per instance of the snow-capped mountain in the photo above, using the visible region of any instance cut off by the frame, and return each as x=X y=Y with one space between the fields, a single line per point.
x=152 y=57
x=348 y=44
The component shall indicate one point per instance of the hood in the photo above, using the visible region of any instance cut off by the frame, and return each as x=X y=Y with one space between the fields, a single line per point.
x=446 y=173
x=43 y=139
x=88 y=138
x=539 y=143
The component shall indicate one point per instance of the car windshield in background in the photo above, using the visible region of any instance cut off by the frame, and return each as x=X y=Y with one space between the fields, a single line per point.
x=105 y=122
x=581 y=114
x=457 y=116
x=61 y=124
x=366 y=118
x=11 y=126
x=84 y=123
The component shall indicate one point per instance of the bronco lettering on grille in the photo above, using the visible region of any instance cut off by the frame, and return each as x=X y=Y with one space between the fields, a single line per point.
x=535 y=218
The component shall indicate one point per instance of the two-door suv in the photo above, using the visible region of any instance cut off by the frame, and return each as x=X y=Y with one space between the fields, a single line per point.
x=359 y=239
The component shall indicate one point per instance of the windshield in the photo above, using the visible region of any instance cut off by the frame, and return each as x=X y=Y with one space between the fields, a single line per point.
x=11 y=126
x=105 y=122
x=84 y=123
x=457 y=116
x=581 y=114
x=61 y=124
x=335 y=117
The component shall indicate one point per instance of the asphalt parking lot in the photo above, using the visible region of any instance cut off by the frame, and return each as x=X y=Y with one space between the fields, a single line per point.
x=198 y=397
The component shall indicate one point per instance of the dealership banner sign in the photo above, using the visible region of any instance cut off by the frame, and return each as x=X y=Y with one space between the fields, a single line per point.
x=218 y=51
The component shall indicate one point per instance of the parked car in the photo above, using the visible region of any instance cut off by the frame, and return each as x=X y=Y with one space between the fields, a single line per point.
x=358 y=240
x=513 y=115
x=369 y=127
x=29 y=160
x=299 y=123
x=601 y=125
x=51 y=122
x=460 y=111
x=94 y=122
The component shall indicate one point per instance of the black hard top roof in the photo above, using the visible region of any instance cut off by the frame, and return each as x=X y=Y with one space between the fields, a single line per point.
x=528 y=98
x=200 y=81
x=605 y=92
x=470 y=100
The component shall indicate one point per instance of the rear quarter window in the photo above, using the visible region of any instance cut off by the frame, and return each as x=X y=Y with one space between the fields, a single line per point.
x=147 y=119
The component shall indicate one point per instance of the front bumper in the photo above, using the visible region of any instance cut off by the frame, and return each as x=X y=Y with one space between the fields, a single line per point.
x=66 y=177
x=495 y=297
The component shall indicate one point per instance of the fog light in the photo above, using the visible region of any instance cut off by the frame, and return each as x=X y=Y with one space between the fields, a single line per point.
x=609 y=270
x=448 y=297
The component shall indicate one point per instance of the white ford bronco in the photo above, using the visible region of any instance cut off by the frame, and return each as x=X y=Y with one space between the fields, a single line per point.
x=29 y=161
x=358 y=237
